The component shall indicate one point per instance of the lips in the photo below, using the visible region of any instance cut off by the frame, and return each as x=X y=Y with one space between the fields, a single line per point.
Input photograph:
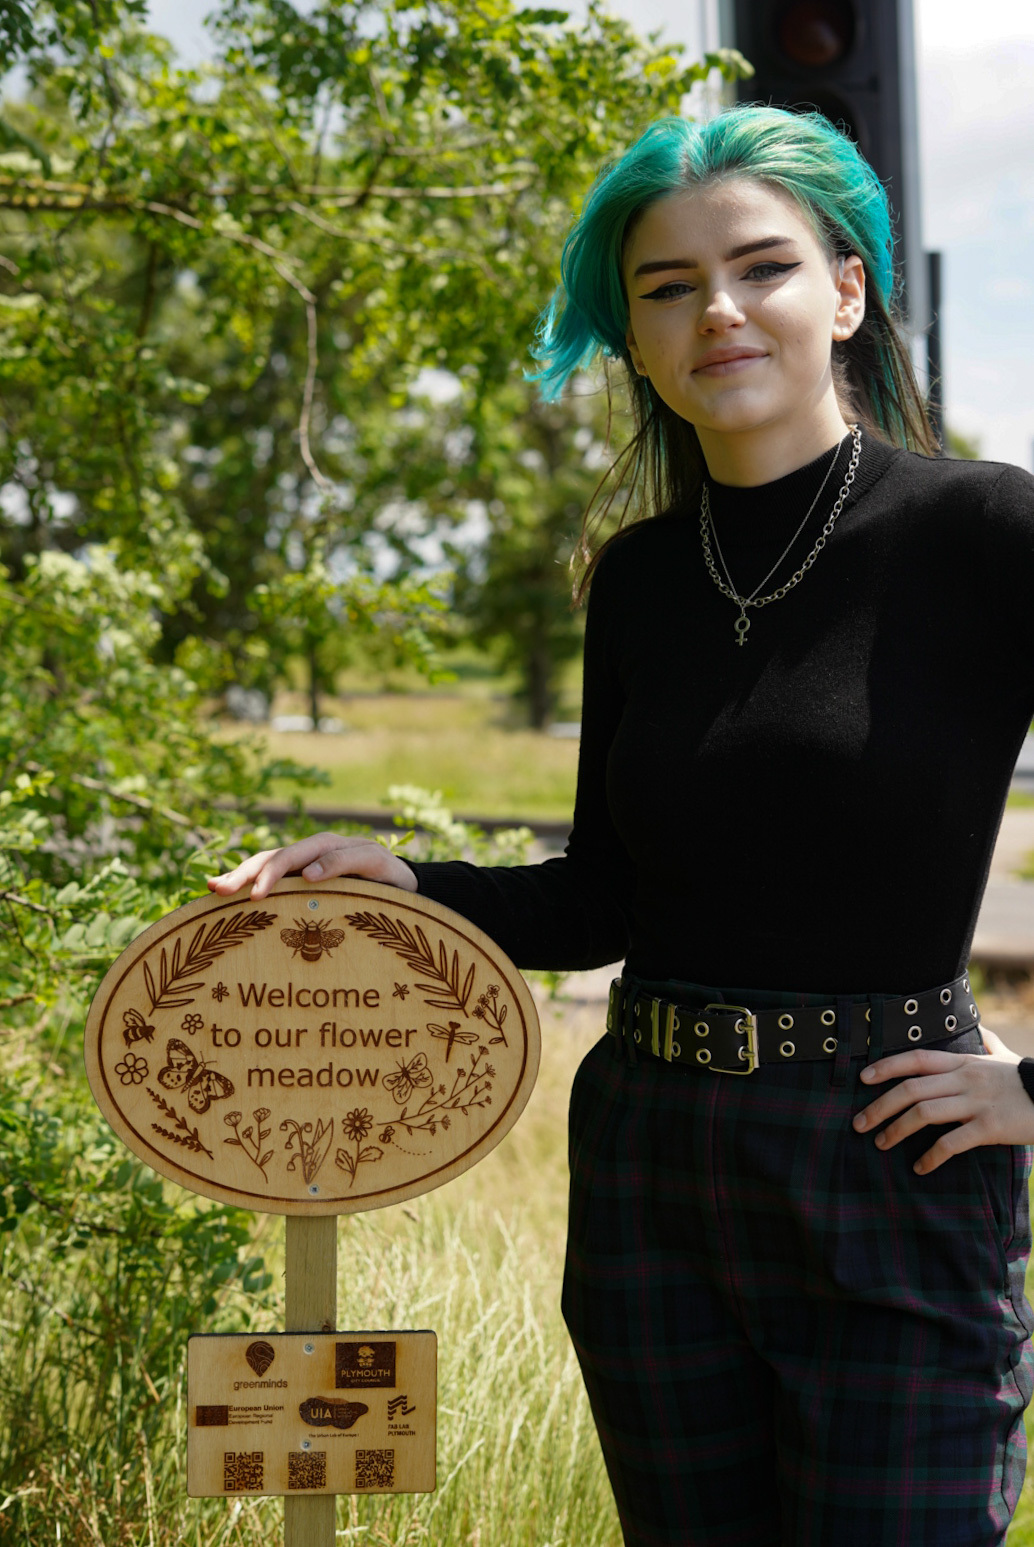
x=722 y=360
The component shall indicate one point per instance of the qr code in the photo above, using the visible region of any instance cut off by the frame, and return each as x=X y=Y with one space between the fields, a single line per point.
x=306 y=1468
x=375 y=1469
x=242 y=1471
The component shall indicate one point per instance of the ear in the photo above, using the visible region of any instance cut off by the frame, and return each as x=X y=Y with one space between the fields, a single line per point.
x=849 y=279
x=633 y=349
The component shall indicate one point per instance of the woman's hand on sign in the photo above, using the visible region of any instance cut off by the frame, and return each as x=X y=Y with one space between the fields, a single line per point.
x=982 y=1097
x=316 y=859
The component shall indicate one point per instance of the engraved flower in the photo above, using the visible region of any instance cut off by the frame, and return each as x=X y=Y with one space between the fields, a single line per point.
x=232 y=1119
x=132 y=1070
x=261 y=1115
x=357 y=1124
x=220 y=992
x=192 y=1023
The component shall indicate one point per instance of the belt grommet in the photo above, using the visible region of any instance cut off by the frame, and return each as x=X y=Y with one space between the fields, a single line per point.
x=915 y=1032
x=676 y=1051
x=787 y=1049
x=868 y=1015
x=701 y=1028
x=965 y=984
x=675 y=1023
x=637 y=1034
x=973 y=1011
x=830 y=1045
x=950 y=1023
x=828 y=1017
x=785 y=1022
x=742 y=1054
x=703 y=1055
x=945 y=996
x=911 y=1006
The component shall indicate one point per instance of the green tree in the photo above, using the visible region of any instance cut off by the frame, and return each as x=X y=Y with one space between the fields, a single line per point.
x=216 y=282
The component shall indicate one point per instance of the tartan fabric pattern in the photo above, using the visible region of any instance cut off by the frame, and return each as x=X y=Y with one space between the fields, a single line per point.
x=788 y=1338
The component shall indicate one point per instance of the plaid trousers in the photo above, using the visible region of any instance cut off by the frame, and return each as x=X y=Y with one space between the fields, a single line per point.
x=788 y=1338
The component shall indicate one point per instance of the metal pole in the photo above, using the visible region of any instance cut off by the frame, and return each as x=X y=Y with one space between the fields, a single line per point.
x=935 y=368
x=311 y=1306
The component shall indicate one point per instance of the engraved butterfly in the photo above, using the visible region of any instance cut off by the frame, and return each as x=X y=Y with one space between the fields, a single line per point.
x=135 y=1028
x=311 y=939
x=184 y=1071
x=408 y=1078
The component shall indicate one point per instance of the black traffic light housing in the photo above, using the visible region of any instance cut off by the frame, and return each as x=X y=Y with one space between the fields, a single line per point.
x=854 y=60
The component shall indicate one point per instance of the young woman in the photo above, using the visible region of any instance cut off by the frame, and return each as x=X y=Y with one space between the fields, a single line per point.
x=799 y=1314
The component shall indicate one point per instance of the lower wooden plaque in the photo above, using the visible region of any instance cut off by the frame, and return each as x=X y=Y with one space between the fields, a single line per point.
x=311 y=1412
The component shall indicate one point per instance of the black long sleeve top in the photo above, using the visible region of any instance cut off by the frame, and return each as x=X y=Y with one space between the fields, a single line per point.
x=814 y=810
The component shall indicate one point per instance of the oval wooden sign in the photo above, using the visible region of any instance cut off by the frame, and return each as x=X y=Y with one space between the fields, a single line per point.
x=327 y=1050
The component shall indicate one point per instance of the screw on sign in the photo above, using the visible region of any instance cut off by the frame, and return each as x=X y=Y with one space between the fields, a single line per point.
x=327 y=1051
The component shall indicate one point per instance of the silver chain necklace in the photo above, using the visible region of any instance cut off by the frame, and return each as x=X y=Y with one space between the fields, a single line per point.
x=726 y=586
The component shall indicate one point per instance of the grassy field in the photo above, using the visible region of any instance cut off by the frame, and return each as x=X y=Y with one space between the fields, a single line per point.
x=466 y=745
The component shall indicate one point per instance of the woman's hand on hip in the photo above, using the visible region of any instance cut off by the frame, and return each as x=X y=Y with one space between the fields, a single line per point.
x=982 y=1096
x=316 y=859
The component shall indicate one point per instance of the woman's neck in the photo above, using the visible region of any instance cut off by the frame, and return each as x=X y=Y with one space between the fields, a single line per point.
x=748 y=458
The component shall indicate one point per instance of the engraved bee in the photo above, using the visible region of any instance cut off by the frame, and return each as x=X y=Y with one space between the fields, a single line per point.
x=185 y=1071
x=311 y=939
x=135 y=1028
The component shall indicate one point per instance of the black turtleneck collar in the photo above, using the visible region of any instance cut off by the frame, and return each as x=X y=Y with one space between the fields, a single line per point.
x=767 y=514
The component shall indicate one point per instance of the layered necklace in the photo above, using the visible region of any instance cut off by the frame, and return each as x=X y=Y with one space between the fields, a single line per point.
x=726 y=586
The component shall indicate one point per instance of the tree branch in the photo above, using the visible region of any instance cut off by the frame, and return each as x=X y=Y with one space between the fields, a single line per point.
x=23 y=902
x=140 y=801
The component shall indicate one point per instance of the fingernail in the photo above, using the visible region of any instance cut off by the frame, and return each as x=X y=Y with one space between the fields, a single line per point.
x=315 y=869
x=881 y=1139
x=868 y=1074
x=861 y=1120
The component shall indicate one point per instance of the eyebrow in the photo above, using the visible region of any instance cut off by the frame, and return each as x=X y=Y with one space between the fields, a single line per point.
x=691 y=263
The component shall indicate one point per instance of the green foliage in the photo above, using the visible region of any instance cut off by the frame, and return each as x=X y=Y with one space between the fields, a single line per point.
x=112 y=798
x=444 y=837
x=217 y=288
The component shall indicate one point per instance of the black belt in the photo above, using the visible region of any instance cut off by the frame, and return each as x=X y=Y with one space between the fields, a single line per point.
x=733 y=1039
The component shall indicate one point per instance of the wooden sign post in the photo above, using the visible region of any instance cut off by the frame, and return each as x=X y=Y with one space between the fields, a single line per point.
x=310 y=1291
x=328 y=1050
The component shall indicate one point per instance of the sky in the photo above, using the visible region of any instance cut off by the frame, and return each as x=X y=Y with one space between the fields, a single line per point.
x=976 y=105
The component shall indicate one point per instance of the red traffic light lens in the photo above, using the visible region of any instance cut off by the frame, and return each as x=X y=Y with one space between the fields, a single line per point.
x=816 y=33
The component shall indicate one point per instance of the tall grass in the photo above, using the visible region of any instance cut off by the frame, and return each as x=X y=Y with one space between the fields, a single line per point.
x=93 y=1331
x=93 y=1348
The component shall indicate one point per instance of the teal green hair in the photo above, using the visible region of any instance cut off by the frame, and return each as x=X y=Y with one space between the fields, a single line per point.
x=806 y=157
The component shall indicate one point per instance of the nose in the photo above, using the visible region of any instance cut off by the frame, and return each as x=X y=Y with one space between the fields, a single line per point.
x=721 y=312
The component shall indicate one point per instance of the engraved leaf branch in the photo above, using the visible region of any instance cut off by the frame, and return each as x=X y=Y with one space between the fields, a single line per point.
x=188 y=1137
x=417 y=952
x=176 y=984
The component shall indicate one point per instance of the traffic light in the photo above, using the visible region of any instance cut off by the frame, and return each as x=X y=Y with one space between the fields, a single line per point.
x=854 y=60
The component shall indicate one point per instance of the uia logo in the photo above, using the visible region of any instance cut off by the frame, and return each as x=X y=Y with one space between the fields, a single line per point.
x=322 y=1411
x=260 y=1356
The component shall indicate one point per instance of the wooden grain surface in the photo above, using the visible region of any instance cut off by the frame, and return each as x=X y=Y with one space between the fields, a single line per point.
x=328 y=1050
x=310 y=1290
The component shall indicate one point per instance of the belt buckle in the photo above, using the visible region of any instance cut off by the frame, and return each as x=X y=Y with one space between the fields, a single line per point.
x=748 y=1025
